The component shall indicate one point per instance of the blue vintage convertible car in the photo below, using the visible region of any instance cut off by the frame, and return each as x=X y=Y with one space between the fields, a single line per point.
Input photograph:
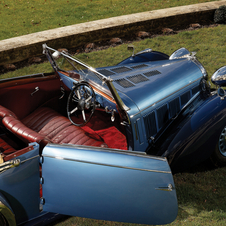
x=101 y=142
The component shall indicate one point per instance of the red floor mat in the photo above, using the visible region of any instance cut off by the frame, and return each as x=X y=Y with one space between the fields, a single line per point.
x=111 y=136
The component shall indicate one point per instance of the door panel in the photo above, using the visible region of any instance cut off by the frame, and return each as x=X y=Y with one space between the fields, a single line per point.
x=108 y=184
x=20 y=184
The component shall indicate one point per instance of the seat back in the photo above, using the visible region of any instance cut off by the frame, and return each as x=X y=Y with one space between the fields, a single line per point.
x=14 y=125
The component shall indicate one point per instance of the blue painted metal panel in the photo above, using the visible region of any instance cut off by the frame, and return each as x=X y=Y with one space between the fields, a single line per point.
x=108 y=184
x=198 y=133
x=20 y=186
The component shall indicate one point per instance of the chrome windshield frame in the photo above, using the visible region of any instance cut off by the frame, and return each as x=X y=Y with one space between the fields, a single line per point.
x=103 y=78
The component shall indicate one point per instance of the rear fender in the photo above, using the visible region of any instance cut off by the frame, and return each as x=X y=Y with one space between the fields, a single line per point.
x=197 y=135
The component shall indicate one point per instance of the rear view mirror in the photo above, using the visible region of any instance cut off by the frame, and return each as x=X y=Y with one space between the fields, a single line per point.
x=180 y=53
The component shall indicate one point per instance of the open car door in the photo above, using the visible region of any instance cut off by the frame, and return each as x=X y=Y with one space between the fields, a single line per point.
x=107 y=184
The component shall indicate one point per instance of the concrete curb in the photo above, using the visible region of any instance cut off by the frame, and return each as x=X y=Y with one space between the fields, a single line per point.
x=21 y=48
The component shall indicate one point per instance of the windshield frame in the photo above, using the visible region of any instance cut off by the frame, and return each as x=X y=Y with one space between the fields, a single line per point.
x=109 y=82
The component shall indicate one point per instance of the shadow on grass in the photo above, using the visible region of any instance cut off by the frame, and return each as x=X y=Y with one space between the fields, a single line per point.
x=201 y=192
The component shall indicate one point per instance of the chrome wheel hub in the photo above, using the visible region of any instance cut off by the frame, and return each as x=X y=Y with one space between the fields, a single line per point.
x=222 y=142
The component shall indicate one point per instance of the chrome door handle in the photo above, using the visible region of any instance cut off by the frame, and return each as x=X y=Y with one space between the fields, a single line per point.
x=36 y=90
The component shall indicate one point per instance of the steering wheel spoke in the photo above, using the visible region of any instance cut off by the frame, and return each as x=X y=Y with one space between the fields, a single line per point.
x=81 y=101
x=73 y=111
x=84 y=116
x=78 y=93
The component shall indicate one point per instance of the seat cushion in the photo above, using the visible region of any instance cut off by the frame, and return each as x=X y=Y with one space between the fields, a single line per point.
x=59 y=129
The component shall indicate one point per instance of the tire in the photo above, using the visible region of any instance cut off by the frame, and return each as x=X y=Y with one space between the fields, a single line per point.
x=3 y=221
x=219 y=154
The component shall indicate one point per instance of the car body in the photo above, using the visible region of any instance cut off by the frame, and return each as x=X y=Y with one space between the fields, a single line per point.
x=101 y=142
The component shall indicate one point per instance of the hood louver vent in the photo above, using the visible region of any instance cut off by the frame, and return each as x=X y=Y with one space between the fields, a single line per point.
x=185 y=98
x=124 y=83
x=137 y=78
x=195 y=90
x=106 y=72
x=121 y=69
x=152 y=73
x=139 y=66
x=150 y=124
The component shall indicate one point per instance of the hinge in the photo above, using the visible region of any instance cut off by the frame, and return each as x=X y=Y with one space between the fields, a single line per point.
x=42 y=202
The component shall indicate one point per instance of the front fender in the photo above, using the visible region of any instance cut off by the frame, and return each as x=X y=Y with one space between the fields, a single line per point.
x=197 y=135
x=145 y=56
x=6 y=211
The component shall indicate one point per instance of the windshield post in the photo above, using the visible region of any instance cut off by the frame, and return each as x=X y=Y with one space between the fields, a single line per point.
x=49 y=56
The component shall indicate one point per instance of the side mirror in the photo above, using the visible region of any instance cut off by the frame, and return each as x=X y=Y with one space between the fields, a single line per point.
x=180 y=53
x=219 y=77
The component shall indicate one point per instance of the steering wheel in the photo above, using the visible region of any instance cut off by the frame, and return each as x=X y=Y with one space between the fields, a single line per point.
x=81 y=104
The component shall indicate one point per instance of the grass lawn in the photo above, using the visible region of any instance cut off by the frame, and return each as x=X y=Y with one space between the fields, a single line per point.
x=20 y=17
x=201 y=191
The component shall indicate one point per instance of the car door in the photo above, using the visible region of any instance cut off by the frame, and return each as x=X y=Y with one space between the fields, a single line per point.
x=107 y=184
x=19 y=183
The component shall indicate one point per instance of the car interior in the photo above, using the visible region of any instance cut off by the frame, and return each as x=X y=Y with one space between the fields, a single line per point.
x=33 y=109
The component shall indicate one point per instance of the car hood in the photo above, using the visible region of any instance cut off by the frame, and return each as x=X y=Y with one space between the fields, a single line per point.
x=146 y=84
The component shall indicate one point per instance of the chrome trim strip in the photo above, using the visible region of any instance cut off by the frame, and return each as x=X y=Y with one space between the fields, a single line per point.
x=36 y=156
x=163 y=98
x=93 y=148
x=109 y=165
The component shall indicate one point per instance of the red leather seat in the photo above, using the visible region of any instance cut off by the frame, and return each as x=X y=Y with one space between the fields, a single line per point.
x=5 y=112
x=59 y=129
x=7 y=149
x=45 y=126
x=22 y=131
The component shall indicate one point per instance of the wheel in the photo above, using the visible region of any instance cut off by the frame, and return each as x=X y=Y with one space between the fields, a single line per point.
x=81 y=104
x=3 y=221
x=219 y=155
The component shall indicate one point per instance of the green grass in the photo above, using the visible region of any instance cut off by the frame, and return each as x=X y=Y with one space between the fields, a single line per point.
x=21 y=17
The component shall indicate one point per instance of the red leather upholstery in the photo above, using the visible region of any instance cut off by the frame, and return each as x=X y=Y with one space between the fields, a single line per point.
x=20 y=130
x=6 y=147
x=59 y=129
x=45 y=126
x=6 y=112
